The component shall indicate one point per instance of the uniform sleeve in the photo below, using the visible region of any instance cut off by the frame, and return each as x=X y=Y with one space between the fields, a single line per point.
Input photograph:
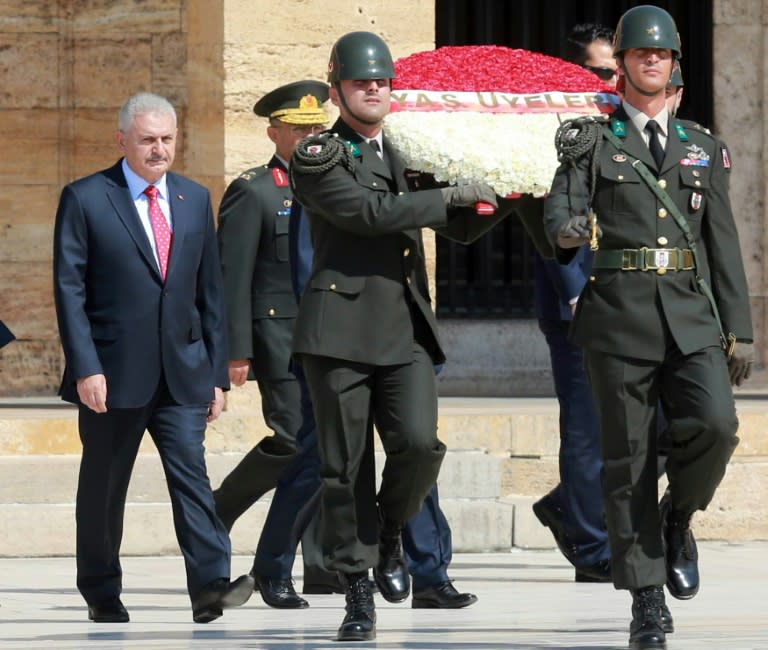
x=240 y=224
x=721 y=238
x=339 y=197
x=559 y=206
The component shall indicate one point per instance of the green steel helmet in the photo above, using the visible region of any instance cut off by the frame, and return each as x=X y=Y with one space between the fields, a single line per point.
x=360 y=55
x=646 y=26
x=676 y=80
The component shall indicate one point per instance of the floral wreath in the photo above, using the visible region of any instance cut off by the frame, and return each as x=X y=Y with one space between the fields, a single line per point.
x=488 y=114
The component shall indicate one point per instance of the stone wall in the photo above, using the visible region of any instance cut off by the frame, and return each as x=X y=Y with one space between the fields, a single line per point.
x=67 y=65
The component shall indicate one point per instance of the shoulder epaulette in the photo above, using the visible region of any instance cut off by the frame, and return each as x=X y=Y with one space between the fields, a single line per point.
x=689 y=124
x=254 y=173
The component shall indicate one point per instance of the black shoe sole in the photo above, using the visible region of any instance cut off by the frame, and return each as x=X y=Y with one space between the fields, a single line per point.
x=676 y=594
x=417 y=603
x=108 y=619
x=368 y=636
x=206 y=615
x=662 y=645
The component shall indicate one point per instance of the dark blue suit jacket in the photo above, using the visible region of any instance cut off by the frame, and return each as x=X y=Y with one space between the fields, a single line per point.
x=116 y=315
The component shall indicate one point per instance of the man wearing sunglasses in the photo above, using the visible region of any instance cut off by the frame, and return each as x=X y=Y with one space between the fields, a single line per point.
x=590 y=46
x=261 y=310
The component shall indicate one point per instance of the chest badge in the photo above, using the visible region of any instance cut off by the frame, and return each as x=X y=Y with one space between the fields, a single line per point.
x=695 y=200
x=619 y=157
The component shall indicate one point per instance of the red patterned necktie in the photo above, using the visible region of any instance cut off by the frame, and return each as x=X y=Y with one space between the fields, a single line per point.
x=160 y=229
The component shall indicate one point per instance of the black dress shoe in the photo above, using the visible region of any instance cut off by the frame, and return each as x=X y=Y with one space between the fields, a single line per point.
x=441 y=596
x=646 y=631
x=279 y=592
x=390 y=573
x=598 y=572
x=680 y=552
x=360 y=622
x=110 y=611
x=219 y=595
x=551 y=516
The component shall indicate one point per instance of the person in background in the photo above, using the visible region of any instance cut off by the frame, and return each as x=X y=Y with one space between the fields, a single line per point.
x=139 y=302
x=573 y=509
x=261 y=311
x=664 y=318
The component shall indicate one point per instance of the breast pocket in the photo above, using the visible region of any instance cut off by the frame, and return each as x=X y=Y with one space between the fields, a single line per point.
x=619 y=186
x=335 y=283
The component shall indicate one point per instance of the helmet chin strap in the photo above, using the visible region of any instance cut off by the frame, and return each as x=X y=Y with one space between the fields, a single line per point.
x=343 y=102
x=645 y=93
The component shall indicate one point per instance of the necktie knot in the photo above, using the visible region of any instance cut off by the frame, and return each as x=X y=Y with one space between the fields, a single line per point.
x=151 y=192
x=375 y=146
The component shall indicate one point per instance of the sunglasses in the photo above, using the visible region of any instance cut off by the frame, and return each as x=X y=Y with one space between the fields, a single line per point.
x=606 y=74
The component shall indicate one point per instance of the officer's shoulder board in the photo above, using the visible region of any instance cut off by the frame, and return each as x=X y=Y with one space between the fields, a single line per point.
x=254 y=173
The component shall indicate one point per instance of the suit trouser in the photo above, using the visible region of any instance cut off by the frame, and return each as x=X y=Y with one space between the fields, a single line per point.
x=696 y=395
x=403 y=402
x=580 y=492
x=258 y=472
x=110 y=443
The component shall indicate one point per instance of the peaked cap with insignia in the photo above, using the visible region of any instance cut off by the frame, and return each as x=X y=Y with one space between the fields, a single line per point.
x=300 y=102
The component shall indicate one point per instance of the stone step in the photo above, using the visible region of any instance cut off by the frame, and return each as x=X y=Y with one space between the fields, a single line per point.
x=502 y=457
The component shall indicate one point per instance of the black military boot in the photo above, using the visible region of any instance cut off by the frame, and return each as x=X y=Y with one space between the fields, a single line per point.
x=360 y=622
x=680 y=552
x=390 y=573
x=646 y=631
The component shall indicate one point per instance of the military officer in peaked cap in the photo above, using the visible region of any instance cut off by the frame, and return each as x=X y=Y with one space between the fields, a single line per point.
x=261 y=309
x=664 y=318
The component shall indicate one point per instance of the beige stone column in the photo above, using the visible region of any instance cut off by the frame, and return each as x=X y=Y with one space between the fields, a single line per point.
x=741 y=87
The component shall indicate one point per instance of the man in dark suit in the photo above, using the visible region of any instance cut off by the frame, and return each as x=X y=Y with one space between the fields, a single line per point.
x=366 y=335
x=261 y=311
x=667 y=289
x=138 y=293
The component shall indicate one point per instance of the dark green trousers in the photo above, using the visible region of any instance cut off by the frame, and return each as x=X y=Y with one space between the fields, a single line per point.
x=258 y=471
x=402 y=400
x=697 y=399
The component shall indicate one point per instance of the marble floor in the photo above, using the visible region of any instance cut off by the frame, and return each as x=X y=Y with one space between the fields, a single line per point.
x=528 y=600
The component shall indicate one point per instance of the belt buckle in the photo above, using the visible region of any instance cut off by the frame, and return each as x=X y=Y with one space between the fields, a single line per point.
x=661 y=258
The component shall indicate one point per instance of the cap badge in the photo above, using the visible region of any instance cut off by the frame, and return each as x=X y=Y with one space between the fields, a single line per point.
x=308 y=101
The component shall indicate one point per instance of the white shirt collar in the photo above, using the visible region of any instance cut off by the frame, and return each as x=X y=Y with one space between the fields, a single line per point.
x=137 y=185
x=640 y=119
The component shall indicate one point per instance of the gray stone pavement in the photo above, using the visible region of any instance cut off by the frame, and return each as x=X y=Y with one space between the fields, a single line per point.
x=528 y=600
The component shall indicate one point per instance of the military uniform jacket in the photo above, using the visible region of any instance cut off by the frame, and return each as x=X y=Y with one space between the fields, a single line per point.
x=369 y=282
x=253 y=245
x=623 y=312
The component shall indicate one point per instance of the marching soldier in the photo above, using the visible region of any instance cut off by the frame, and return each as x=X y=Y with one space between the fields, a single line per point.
x=366 y=334
x=664 y=317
